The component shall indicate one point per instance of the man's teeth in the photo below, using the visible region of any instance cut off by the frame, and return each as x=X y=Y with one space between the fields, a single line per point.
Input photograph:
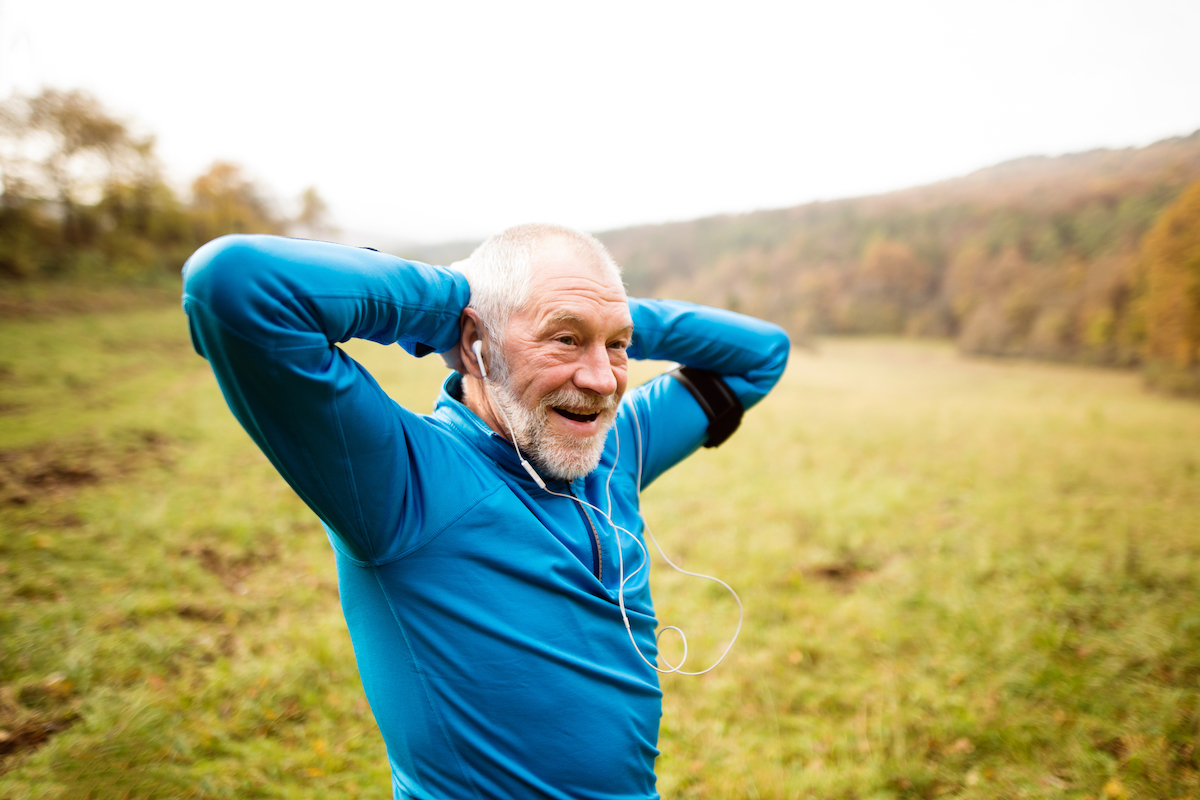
x=576 y=416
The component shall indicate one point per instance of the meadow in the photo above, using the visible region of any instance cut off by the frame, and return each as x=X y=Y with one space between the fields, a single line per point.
x=962 y=578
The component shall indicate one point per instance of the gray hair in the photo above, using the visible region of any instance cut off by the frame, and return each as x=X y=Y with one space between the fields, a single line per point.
x=500 y=270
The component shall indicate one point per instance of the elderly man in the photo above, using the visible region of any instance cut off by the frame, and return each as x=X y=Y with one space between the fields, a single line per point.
x=479 y=581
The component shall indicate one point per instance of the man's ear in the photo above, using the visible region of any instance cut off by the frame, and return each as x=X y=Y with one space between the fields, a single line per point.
x=472 y=331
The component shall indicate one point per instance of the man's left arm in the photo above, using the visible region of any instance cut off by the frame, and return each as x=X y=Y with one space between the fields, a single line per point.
x=748 y=355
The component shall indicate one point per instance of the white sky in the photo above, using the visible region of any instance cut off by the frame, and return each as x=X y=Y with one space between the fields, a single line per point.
x=434 y=120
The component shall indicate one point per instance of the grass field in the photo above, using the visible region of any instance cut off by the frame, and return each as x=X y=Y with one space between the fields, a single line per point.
x=961 y=579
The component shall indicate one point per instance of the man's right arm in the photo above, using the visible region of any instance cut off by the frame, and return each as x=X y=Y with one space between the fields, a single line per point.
x=268 y=312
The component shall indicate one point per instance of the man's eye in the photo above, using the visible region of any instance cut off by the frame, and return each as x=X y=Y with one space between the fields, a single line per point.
x=618 y=345
x=566 y=340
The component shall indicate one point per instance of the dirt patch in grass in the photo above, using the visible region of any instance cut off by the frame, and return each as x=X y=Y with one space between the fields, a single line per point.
x=200 y=613
x=29 y=718
x=233 y=570
x=842 y=575
x=52 y=469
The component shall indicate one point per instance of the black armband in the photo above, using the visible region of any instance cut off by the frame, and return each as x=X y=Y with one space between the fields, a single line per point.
x=722 y=407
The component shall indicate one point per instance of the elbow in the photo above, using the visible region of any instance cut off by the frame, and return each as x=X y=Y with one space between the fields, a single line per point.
x=235 y=279
x=778 y=350
x=217 y=267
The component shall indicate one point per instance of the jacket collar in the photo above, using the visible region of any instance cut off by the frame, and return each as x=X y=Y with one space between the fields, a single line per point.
x=466 y=423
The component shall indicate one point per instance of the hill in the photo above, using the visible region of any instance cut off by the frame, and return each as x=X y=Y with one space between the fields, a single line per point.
x=1037 y=256
x=1041 y=256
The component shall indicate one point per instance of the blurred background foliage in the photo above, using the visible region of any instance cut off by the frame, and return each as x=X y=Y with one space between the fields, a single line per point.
x=1089 y=257
x=84 y=198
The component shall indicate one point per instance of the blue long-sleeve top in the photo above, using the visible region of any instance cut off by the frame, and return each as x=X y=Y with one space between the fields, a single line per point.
x=482 y=609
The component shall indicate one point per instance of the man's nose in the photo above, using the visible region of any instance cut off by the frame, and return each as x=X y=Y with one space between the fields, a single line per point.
x=595 y=372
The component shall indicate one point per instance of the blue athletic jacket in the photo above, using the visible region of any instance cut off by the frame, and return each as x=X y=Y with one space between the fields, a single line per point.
x=483 y=610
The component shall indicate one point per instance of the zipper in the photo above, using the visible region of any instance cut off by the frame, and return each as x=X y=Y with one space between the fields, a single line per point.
x=597 y=549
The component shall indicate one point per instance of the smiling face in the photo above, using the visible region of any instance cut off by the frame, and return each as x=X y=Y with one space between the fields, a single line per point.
x=562 y=370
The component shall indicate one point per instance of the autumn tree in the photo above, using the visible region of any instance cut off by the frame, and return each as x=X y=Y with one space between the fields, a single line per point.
x=225 y=201
x=890 y=268
x=81 y=148
x=58 y=150
x=81 y=196
x=81 y=193
x=1171 y=299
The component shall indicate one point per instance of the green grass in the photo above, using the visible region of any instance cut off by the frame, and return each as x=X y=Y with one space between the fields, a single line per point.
x=961 y=578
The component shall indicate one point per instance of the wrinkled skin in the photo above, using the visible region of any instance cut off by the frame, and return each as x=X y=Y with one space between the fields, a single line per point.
x=562 y=372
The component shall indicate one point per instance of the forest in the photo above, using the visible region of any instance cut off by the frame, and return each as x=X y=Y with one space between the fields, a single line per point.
x=1090 y=257
x=84 y=199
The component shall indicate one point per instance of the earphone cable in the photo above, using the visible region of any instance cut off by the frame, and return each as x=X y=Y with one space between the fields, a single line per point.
x=617 y=530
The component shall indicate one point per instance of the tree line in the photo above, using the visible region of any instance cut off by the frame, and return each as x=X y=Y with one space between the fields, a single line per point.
x=84 y=198
x=1092 y=257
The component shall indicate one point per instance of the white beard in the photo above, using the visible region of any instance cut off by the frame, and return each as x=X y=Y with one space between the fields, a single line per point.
x=556 y=455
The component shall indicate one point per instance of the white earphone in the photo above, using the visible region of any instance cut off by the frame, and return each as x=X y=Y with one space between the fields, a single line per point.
x=478 y=348
x=622 y=579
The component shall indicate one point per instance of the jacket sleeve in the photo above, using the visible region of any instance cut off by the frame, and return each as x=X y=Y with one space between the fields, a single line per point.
x=748 y=353
x=268 y=314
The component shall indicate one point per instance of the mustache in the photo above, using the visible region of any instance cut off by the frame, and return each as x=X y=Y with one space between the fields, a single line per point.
x=580 y=402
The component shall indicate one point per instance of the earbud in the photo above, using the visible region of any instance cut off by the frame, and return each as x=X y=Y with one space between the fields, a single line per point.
x=477 y=346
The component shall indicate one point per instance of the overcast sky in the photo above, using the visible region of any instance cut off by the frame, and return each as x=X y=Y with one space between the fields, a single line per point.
x=435 y=120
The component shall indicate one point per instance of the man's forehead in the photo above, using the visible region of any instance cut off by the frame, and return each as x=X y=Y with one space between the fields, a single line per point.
x=558 y=263
x=582 y=311
x=615 y=316
x=569 y=288
x=557 y=257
